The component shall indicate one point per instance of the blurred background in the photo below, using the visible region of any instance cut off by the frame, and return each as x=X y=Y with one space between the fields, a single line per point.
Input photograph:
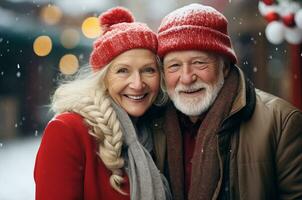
x=41 y=40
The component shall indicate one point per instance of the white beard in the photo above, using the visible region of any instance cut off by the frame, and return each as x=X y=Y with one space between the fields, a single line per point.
x=194 y=106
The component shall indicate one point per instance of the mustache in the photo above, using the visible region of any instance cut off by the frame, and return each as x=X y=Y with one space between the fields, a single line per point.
x=196 y=86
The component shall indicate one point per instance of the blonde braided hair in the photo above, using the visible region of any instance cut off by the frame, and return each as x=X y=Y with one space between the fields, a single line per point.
x=86 y=95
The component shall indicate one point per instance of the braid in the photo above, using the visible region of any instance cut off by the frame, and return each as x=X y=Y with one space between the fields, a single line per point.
x=105 y=127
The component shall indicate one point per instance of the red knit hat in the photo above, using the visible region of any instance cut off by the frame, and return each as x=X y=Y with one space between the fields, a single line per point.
x=197 y=27
x=120 y=34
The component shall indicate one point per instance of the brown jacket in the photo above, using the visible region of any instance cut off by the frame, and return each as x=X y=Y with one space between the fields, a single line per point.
x=260 y=148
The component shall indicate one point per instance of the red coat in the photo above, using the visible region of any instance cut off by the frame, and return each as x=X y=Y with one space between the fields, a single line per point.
x=67 y=166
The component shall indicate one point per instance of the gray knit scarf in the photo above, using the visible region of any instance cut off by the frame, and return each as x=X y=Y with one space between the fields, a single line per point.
x=146 y=181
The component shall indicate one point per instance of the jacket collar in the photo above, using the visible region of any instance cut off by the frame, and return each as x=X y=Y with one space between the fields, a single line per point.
x=243 y=105
x=240 y=100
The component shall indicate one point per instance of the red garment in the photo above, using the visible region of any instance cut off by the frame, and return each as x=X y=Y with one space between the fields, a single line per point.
x=67 y=166
x=189 y=132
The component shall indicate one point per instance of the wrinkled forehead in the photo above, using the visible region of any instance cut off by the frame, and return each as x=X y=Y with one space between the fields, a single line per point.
x=189 y=54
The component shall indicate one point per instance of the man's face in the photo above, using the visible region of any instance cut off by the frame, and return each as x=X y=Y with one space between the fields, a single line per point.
x=193 y=80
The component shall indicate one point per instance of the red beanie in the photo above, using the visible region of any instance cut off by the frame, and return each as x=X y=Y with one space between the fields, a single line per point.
x=120 y=34
x=195 y=27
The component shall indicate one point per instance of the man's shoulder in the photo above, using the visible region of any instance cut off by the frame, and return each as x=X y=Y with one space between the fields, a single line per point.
x=275 y=109
x=274 y=103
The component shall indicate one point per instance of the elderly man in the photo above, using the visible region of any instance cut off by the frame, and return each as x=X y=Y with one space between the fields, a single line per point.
x=224 y=138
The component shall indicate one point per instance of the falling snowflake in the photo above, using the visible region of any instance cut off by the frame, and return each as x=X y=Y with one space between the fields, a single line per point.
x=36 y=133
x=81 y=56
x=255 y=69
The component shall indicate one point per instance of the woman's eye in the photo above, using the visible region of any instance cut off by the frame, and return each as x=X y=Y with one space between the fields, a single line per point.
x=150 y=70
x=122 y=70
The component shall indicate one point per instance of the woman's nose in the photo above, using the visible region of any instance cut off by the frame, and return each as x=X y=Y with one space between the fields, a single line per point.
x=136 y=82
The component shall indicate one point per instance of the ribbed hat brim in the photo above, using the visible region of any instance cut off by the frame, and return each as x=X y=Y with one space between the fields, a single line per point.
x=190 y=37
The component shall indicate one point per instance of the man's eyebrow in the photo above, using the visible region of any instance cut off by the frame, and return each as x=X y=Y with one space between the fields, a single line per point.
x=171 y=59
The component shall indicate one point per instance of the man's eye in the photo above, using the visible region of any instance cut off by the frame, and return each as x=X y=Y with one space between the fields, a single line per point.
x=197 y=62
x=200 y=65
x=174 y=65
x=122 y=70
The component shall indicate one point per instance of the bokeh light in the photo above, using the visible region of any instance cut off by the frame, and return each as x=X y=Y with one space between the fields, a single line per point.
x=69 y=64
x=51 y=14
x=91 y=27
x=42 y=45
x=70 y=38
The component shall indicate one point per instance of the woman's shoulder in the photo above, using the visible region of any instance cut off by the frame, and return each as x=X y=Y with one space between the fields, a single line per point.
x=68 y=119
x=67 y=125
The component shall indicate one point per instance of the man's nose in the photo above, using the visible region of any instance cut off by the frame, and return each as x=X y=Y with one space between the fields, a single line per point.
x=136 y=81
x=187 y=75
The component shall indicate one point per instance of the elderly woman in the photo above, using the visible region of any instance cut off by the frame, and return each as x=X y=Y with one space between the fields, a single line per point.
x=97 y=146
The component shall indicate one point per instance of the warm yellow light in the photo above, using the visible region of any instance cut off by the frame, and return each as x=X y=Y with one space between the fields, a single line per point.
x=70 y=38
x=51 y=14
x=91 y=27
x=69 y=64
x=42 y=45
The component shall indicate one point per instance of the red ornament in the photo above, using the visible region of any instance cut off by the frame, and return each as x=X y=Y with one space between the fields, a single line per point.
x=272 y=16
x=289 y=20
x=268 y=2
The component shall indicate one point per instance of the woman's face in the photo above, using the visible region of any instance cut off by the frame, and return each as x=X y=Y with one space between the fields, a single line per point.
x=133 y=79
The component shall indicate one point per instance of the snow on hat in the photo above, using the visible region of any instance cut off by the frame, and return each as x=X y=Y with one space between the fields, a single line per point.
x=195 y=26
x=120 y=33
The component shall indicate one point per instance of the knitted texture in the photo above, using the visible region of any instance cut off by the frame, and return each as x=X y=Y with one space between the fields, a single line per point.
x=198 y=27
x=105 y=127
x=120 y=33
